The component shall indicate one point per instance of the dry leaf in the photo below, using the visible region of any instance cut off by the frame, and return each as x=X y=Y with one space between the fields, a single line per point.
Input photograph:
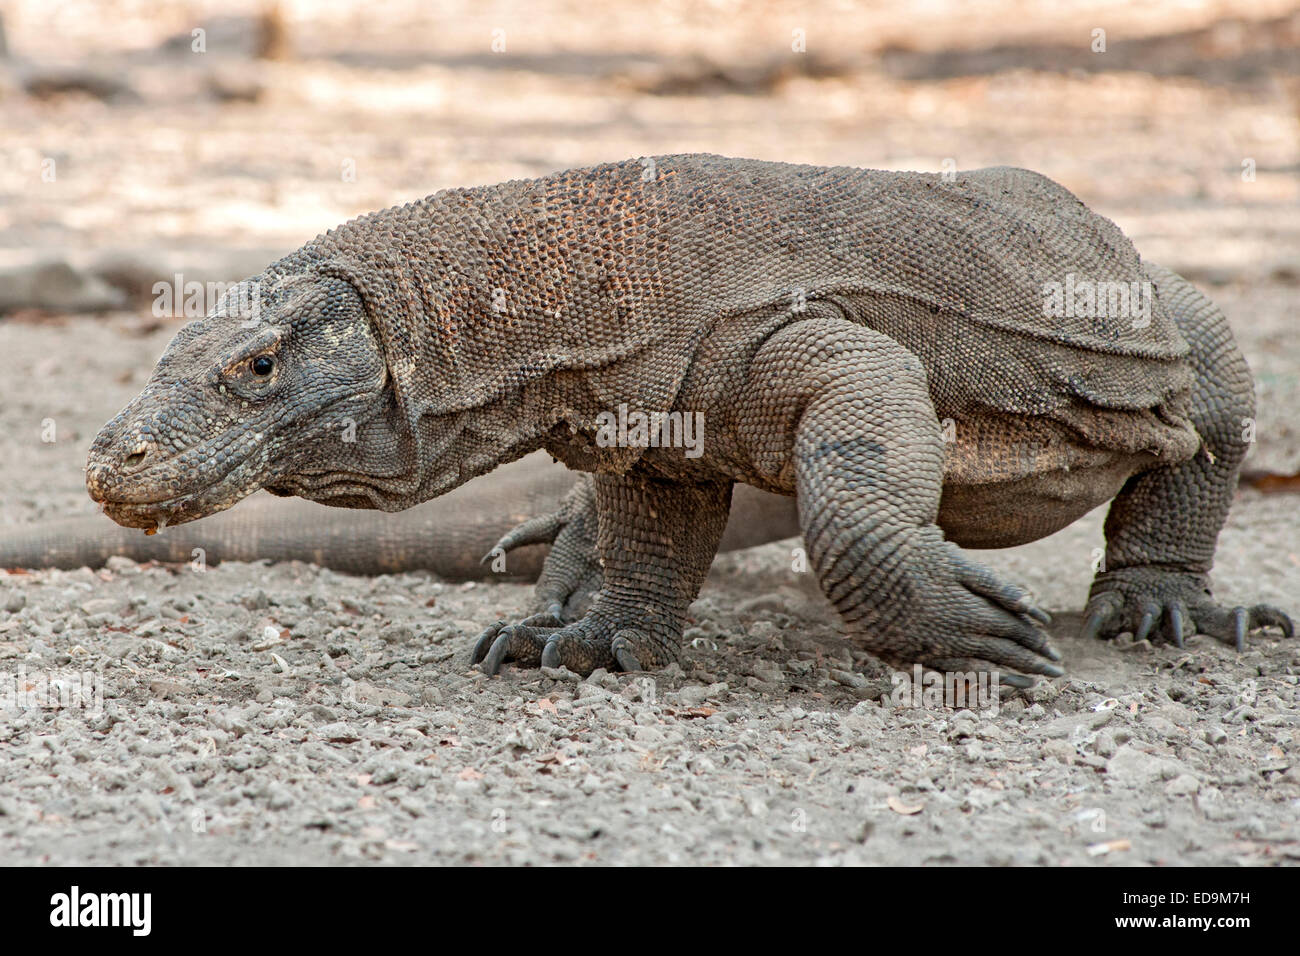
x=697 y=712
x=1110 y=846
x=898 y=806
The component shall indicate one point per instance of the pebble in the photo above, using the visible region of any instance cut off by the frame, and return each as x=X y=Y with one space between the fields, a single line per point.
x=1182 y=785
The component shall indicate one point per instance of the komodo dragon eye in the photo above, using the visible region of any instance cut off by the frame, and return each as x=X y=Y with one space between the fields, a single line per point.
x=263 y=364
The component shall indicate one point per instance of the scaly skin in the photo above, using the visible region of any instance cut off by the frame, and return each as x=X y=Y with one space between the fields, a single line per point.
x=876 y=345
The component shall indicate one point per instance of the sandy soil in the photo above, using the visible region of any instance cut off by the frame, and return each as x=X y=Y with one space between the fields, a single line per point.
x=289 y=714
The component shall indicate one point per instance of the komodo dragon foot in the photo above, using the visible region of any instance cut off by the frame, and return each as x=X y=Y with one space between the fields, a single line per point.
x=571 y=577
x=631 y=575
x=1172 y=605
x=594 y=641
x=1163 y=527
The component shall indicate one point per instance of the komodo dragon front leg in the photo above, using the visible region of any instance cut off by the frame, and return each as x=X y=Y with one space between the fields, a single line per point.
x=656 y=541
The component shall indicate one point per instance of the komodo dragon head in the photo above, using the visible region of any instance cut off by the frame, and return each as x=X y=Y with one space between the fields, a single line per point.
x=270 y=390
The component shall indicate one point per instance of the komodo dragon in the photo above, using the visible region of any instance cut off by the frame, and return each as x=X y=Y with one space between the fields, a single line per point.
x=893 y=350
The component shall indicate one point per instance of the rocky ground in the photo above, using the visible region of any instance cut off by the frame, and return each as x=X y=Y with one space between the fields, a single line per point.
x=290 y=714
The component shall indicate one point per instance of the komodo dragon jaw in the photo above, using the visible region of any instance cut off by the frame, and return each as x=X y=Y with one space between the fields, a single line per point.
x=243 y=401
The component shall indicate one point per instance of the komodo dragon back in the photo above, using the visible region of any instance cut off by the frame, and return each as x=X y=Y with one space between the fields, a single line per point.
x=619 y=271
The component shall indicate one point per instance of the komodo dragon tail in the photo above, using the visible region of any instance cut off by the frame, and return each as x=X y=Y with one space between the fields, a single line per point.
x=448 y=535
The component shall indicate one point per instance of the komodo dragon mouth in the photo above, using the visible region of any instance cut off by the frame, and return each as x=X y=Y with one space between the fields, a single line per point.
x=155 y=513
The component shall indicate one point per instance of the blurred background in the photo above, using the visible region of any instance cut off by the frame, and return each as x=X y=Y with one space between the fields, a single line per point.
x=141 y=139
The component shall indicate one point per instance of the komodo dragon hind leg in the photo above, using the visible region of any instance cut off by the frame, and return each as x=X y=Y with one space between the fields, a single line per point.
x=868 y=470
x=1162 y=528
x=656 y=542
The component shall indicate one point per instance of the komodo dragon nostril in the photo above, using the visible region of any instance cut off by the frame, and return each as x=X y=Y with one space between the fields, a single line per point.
x=137 y=456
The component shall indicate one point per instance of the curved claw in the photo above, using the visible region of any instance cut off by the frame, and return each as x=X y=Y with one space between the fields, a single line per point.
x=1015 y=680
x=485 y=640
x=1240 y=624
x=1265 y=615
x=622 y=652
x=497 y=654
x=1149 y=615
x=551 y=654
x=1037 y=613
x=1100 y=611
x=1175 y=615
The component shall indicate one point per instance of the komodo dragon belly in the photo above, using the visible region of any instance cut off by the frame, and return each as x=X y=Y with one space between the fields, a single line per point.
x=1008 y=480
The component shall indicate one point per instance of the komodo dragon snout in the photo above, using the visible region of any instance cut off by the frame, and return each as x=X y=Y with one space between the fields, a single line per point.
x=274 y=383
